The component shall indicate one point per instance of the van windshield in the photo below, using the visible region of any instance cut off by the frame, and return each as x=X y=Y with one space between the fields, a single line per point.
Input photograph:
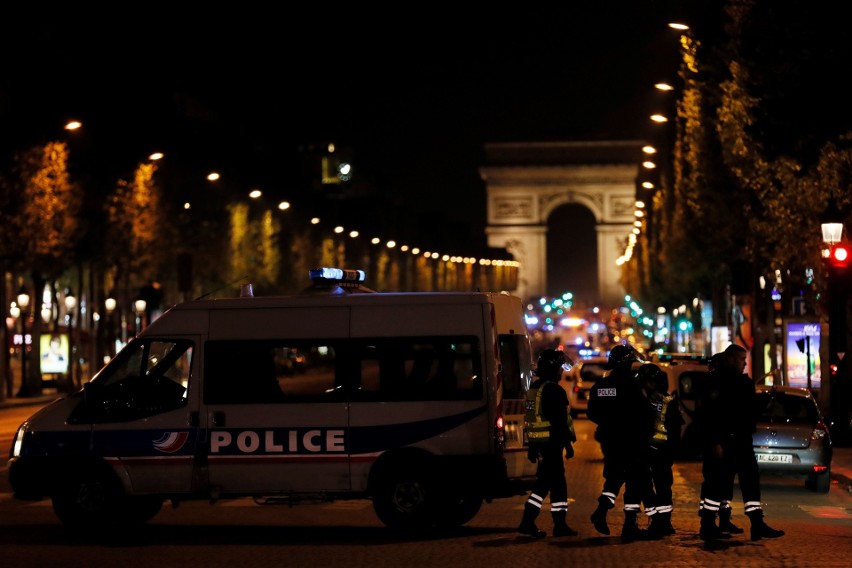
x=147 y=377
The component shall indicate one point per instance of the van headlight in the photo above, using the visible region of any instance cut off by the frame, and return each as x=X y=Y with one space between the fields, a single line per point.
x=18 y=442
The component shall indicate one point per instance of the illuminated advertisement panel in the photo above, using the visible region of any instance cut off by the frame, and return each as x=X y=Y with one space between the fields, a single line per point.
x=54 y=353
x=802 y=342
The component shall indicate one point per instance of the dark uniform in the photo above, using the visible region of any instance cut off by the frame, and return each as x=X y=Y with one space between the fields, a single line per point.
x=667 y=425
x=725 y=509
x=550 y=435
x=727 y=420
x=625 y=423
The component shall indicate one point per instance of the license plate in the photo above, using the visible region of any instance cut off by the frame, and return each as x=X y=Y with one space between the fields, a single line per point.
x=774 y=458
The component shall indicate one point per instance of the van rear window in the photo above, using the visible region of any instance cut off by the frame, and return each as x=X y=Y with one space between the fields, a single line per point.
x=392 y=369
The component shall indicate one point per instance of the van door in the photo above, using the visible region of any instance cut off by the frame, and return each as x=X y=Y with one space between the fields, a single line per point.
x=276 y=421
x=143 y=408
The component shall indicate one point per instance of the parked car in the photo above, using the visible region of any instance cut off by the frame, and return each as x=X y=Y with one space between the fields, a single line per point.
x=580 y=380
x=792 y=438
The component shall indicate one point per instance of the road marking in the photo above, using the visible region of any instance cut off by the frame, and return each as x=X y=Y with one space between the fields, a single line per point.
x=825 y=512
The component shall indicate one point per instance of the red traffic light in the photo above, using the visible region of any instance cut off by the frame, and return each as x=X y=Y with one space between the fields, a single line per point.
x=838 y=256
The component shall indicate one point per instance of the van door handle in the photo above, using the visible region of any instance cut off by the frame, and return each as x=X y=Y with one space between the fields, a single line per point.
x=194 y=419
x=218 y=418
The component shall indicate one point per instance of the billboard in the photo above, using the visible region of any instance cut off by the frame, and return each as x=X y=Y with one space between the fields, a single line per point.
x=802 y=343
x=54 y=353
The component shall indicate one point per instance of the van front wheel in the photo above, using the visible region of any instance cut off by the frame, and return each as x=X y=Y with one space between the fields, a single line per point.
x=87 y=499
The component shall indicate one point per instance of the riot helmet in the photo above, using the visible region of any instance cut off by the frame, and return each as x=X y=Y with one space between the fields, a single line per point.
x=551 y=363
x=652 y=378
x=622 y=356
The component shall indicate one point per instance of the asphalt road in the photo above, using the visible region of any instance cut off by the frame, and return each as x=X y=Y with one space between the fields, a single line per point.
x=347 y=533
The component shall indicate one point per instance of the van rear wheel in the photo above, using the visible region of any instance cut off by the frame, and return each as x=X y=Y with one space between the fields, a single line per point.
x=460 y=511
x=404 y=498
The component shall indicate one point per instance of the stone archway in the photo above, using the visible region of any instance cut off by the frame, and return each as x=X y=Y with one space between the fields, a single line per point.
x=525 y=182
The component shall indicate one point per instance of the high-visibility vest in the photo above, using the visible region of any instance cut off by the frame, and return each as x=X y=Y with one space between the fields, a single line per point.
x=535 y=426
x=661 y=404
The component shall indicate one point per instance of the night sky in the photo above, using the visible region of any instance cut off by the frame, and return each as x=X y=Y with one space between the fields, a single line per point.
x=414 y=91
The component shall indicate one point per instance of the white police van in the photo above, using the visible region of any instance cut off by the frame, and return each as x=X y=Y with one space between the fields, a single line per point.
x=335 y=393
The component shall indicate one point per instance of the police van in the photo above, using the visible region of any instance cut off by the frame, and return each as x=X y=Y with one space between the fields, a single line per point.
x=412 y=400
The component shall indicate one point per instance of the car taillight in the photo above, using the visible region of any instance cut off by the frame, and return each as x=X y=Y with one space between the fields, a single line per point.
x=820 y=468
x=576 y=390
x=499 y=433
x=820 y=431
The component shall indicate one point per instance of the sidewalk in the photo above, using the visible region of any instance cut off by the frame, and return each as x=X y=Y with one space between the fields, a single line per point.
x=841 y=462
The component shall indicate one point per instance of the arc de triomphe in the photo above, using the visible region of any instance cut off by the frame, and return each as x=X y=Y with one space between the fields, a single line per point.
x=526 y=182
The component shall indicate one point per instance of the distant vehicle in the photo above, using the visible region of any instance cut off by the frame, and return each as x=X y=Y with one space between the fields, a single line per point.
x=677 y=358
x=688 y=377
x=792 y=438
x=688 y=374
x=579 y=381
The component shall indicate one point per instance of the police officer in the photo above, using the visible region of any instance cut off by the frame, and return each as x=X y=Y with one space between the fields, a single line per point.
x=726 y=525
x=625 y=423
x=728 y=423
x=550 y=432
x=667 y=425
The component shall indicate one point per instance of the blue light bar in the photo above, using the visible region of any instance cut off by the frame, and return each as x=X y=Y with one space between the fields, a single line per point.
x=328 y=275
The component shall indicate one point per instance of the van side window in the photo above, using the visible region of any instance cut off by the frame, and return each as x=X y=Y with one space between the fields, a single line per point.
x=294 y=371
x=420 y=369
x=263 y=372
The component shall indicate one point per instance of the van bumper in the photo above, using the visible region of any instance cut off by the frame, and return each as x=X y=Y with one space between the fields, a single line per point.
x=28 y=479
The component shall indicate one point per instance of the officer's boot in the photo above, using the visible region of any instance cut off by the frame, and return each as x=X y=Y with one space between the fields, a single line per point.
x=599 y=516
x=725 y=524
x=661 y=524
x=760 y=529
x=560 y=527
x=709 y=530
x=527 y=525
x=631 y=531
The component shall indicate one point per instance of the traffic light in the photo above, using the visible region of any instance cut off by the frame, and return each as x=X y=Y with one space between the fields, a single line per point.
x=838 y=255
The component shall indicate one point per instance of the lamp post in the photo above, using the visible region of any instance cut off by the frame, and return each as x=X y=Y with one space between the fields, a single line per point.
x=23 y=303
x=837 y=291
x=109 y=306
x=70 y=306
x=15 y=313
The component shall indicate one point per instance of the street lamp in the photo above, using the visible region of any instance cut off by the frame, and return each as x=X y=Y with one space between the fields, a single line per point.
x=23 y=303
x=831 y=224
x=139 y=306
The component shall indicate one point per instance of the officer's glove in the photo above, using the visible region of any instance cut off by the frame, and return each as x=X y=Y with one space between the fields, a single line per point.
x=569 y=450
x=532 y=455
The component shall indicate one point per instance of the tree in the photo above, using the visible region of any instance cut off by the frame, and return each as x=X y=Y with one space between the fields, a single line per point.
x=47 y=228
x=139 y=243
x=757 y=155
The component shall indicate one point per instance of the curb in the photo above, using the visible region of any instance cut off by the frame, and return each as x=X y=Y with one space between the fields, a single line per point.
x=843 y=479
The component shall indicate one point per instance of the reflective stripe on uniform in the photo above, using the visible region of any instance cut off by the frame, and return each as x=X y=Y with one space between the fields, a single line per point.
x=751 y=506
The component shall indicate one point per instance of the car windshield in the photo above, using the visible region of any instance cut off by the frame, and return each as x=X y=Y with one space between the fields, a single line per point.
x=781 y=407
